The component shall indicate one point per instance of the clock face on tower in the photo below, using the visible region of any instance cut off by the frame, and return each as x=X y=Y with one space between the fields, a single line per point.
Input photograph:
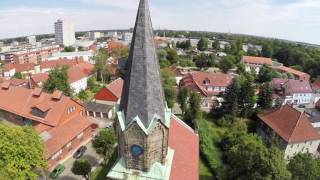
x=136 y=150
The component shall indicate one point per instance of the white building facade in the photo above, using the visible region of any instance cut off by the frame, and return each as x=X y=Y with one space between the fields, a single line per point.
x=64 y=33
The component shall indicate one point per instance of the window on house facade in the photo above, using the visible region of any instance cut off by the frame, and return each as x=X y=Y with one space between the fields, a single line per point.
x=80 y=136
x=57 y=155
x=69 y=146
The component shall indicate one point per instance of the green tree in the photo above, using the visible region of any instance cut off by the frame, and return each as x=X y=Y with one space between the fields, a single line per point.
x=58 y=80
x=93 y=85
x=183 y=99
x=172 y=56
x=100 y=63
x=201 y=60
x=80 y=48
x=226 y=64
x=267 y=51
x=265 y=97
x=69 y=49
x=215 y=45
x=304 y=167
x=248 y=158
x=203 y=44
x=169 y=86
x=188 y=44
x=104 y=143
x=246 y=96
x=230 y=104
x=18 y=75
x=266 y=74
x=21 y=152
x=83 y=95
x=194 y=109
x=82 y=168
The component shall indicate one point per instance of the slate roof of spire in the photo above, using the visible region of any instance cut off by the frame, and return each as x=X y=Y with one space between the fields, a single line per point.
x=143 y=94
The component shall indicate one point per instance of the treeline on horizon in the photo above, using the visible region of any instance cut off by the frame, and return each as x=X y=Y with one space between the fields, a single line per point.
x=301 y=56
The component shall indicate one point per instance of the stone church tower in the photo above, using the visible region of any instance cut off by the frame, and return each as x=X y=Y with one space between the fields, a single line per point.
x=143 y=117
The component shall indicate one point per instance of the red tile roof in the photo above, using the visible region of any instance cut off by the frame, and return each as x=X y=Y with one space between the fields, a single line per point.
x=60 y=62
x=290 y=124
x=185 y=143
x=61 y=135
x=196 y=81
x=41 y=77
x=111 y=92
x=19 y=67
x=292 y=71
x=116 y=87
x=22 y=100
x=79 y=71
x=257 y=60
x=18 y=82
x=292 y=86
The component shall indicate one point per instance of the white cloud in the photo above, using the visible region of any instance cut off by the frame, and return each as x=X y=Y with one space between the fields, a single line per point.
x=298 y=20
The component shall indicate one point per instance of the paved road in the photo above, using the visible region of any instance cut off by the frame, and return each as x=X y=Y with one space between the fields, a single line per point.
x=90 y=154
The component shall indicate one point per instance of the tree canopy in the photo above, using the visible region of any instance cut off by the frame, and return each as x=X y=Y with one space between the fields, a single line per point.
x=203 y=44
x=265 y=97
x=304 y=167
x=248 y=158
x=58 y=80
x=169 y=86
x=21 y=152
x=104 y=143
x=226 y=64
x=100 y=64
x=81 y=167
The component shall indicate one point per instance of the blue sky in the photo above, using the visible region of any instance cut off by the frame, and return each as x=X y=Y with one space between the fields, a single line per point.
x=289 y=19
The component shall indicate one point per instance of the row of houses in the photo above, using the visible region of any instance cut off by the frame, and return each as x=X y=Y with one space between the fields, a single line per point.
x=78 y=73
x=255 y=63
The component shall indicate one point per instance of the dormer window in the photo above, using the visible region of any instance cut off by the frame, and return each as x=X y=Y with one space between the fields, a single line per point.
x=39 y=113
x=206 y=81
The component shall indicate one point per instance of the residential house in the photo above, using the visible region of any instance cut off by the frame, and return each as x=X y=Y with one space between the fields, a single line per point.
x=111 y=94
x=78 y=76
x=290 y=129
x=104 y=102
x=59 y=120
x=35 y=55
x=293 y=91
x=297 y=75
x=208 y=85
x=255 y=63
x=28 y=68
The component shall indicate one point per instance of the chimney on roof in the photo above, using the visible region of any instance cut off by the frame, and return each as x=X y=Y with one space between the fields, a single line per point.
x=6 y=85
x=57 y=95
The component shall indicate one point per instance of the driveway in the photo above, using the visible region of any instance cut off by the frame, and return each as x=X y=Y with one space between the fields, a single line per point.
x=90 y=154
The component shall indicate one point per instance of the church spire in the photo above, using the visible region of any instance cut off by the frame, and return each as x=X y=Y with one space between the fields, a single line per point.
x=143 y=94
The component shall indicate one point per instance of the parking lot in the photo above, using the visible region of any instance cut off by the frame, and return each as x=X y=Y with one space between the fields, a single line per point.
x=90 y=154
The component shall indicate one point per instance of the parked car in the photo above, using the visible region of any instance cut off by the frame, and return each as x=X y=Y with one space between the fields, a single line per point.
x=302 y=106
x=80 y=152
x=57 y=171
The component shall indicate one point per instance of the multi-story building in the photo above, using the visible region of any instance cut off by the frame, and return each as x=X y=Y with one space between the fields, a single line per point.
x=127 y=37
x=59 y=120
x=255 y=63
x=291 y=130
x=32 y=40
x=208 y=85
x=293 y=91
x=64 y=33
x=95 y=35
x=34 y=55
